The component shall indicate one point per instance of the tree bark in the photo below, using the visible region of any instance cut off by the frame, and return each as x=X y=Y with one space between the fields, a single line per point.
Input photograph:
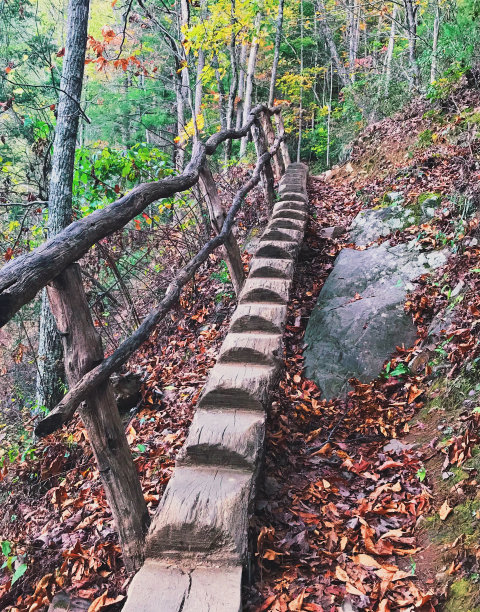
x=436 y=30
x=83 y=351
x=353 y=36
x=283 y=145
x=390 y=49
x=411 y=10
x=231 y=250
x=50 y=374
x=268 y=180
x=330 y=42
x=233 y=81
x=252 y=62
x=82 y=345
x=276 y=53
x=241 y=85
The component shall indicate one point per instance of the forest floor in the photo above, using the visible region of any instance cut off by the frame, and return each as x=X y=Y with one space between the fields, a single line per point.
x=372 y=503
x=368 y=503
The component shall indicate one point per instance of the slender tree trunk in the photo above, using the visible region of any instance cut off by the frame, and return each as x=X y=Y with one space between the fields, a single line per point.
x=436 y=30
x=50 y=372
x=231 y=250
x=390 y=48
x=252 y=62
x=353 y=36
x=326 y=32
x=300 y=110
x=276 y=53
x=233 y=81
x=81 y=343
x=241 y=85
x=411 y=19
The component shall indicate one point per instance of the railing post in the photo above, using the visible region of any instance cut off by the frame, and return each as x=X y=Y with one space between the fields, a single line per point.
x=268 y=180
x=278 y=165
x=83 y=351
x=230 y=249
x=283 y=144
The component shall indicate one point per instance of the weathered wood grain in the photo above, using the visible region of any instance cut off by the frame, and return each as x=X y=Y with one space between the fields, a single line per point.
x=272 y=290
x=276 y=249
x=272 y=233
x=261 y=349
x=203 y=510
x=260 y=318
x=226 y=438
x=239 y=386
x=163 y=587
x=264 y=267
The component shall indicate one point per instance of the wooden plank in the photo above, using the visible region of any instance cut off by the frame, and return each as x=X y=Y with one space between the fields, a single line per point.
x=273 y=290
x=226 y=438
x=264 y=267
x=243 y=387
x=261 y=349
x=203 y=510
x=265 y=318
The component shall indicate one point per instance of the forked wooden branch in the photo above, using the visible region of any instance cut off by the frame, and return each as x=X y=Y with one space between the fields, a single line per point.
x=67 y=407
x=22 y=278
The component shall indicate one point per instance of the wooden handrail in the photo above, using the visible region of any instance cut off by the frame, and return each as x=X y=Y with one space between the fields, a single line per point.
x=22 y=278
x=65 y=410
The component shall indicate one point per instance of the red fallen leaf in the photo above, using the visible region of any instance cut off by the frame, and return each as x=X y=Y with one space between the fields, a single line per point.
x=266 y=604
x=296 y=604
x=389 y=464
x=8 y=254
x=60 y=53
x=138 y=224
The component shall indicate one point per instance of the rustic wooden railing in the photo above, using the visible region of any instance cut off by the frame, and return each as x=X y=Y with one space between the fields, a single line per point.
x=196 y=548
x=52 y=265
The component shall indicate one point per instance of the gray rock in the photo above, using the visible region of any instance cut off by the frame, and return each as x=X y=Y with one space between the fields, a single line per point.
x=394 y=196
x=350 y=337
x=429 y=205
x=369 y=225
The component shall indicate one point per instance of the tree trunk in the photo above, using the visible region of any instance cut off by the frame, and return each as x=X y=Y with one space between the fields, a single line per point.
x=411 y=10
x=83 y=351
x=330 y=42
x=353 y=36
x=390 y=48
x=252 y=62
x=436 y=29
x=231 y=250
x=283 y=145
x=82 y=346
x=278 y=163
x=241 y=85
x=276 y=53
x=50 y=373
x=300 y=106
x=268 y=180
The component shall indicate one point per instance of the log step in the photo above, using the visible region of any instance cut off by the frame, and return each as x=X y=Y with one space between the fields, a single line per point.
x=238 y=386
x=260 y=318
x=289 y=213
x=259 y=349
x=273 y=290
x=276 y=249
x=264 y=267
x=298 y=197
x=289 y=205
x=158 y=587
x=284 y=234
x=225 y=438
x=203 y=510
x=286 y=223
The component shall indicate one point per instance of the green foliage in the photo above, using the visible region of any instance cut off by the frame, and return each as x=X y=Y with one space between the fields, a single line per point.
x=442 y=87
x=100 y=177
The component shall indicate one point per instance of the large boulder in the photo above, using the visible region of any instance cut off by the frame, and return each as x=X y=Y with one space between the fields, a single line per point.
x=374 y=223
x=359 y=318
